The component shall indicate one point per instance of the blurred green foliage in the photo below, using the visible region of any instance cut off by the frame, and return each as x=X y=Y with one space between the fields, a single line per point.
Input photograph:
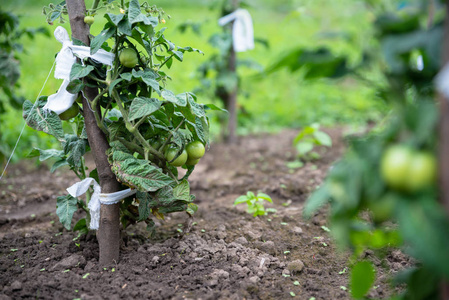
x=271 y=102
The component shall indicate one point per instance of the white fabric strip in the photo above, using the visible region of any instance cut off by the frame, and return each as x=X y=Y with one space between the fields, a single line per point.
x=442 y=81
x=242 y=30
x=62 y=100
x=97 y=198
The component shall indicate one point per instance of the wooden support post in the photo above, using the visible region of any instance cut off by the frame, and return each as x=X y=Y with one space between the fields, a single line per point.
x=444 y=141
x=109 y=231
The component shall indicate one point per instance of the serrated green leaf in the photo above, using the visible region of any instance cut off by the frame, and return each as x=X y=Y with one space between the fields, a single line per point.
x=191 y=209
x=46 y=154
x=138 y=173
x=113 y=84
x=214 y=107
x=80 y=71
x=170 y=97
x=363 y=275
x=98 y=41
x=135 y=16
x=127 y=76
x=114 y=19
x=189 y=49
x=81 y=226
x=182 y=191
x=75 y=148
x=144 y=209
x=142 y=107
x=58 y=164
x=75 y=86
x=149 y=77
x=47 y=122
x=197 y=109
x=66 y=207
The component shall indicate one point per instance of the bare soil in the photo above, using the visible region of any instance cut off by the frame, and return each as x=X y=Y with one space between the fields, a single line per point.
x=224 y=253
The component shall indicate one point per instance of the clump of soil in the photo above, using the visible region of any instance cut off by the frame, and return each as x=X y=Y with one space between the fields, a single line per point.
x=223 y=253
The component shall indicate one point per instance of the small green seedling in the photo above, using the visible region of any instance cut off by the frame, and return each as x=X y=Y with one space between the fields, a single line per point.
x=255 y=203
x=307 y=139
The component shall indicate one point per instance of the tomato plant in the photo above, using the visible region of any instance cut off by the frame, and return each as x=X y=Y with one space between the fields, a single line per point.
x=391 y=171
x=147 y=126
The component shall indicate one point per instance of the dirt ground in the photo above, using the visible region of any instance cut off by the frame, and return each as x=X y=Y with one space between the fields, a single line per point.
x=228 y=254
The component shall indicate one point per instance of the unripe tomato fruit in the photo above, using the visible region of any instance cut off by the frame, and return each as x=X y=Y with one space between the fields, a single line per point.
x=407 y=170
x=79 y=99
x=128 y=57
x=180 y=160
x=192 y=161
x=70 y=113
x=394 y=166
x=89 y=20
x=195 y=150
x=422 y=171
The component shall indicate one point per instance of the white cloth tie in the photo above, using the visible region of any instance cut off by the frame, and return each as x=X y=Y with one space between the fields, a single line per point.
x=242 y=30
x=442 y=81
x=63 y=100
x=97 y=198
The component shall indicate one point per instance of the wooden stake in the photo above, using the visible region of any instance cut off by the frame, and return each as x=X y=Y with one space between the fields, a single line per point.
x=109 y=231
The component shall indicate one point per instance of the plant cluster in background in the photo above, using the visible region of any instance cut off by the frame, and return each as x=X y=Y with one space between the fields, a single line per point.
x=255 y=204
x=10 y=47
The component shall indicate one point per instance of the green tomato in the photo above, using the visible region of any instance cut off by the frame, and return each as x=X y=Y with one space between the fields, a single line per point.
x=394 y=166
x=180 y=160
x=70 y=113
x=89 y=20
x=128 y=57
x=195 y=150
x=79 y=99
x=422 y=171
x=192 y=161
x=407 y=170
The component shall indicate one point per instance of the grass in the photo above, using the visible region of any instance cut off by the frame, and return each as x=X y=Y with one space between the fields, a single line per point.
x=272 y=102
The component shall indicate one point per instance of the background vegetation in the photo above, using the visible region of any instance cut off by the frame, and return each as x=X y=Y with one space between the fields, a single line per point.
x=268 y=102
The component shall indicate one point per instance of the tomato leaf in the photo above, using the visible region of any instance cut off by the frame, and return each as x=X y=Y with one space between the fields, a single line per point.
x=138 y=173
x=135 y=16
x=98 y=41
x=66 y=207
x=142 y=107
x=182 y=191
x=363 y=275
x=80 y=71
x=46 y=121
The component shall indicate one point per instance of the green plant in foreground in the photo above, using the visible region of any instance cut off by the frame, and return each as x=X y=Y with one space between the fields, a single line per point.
x=384 y=192
x=140 y=117
x=255 y=203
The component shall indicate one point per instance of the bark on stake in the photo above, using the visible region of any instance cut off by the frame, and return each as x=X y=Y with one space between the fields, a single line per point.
x=109 y=231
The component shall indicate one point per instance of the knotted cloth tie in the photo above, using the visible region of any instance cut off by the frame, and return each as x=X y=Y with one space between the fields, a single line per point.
x=63 y=100
x=242 y=30
x=97 y=198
